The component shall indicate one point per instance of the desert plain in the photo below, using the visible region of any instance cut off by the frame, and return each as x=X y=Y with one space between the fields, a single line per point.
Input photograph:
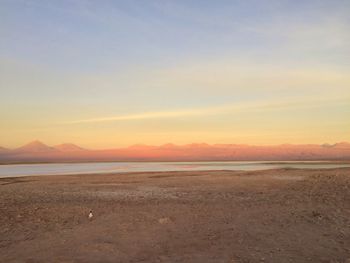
x=284 y=215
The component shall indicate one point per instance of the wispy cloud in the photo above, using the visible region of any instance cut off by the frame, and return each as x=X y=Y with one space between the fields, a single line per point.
x=215 y=110
x=138 y=116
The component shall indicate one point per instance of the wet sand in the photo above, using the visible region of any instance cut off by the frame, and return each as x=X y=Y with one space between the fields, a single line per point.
x=279 y=216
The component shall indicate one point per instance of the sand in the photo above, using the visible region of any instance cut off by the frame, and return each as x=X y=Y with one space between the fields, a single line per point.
x=218 y=216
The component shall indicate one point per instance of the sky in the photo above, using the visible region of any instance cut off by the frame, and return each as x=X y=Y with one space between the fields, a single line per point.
x=106 y=74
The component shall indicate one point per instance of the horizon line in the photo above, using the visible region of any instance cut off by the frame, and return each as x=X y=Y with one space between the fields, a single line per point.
x=174 y=144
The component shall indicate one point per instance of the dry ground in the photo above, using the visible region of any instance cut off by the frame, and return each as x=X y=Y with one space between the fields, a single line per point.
x=218 y=216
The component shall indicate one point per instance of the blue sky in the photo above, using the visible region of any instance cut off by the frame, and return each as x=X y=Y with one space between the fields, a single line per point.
x=97 y=35
x=66 y=64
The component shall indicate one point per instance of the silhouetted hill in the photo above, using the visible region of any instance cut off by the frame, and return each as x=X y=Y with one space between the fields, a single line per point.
x=37 y=151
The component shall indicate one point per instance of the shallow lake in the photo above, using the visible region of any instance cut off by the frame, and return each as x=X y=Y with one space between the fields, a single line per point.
x=12 y=170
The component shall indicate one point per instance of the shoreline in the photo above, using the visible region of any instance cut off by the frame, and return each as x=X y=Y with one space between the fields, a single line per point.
x=186 y=161
x=135 y=173
x=102 y=173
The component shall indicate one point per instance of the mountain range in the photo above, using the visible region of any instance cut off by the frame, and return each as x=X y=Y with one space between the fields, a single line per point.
x=37 y=146
x=37 y=151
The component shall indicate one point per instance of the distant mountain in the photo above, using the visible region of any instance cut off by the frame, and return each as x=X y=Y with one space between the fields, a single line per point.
x=168 y=146
x=68 y=147
x=140 y=147
x=198 y=145
x=2 y=149
x=342 y=145
x=37 y=151
x=35 y=147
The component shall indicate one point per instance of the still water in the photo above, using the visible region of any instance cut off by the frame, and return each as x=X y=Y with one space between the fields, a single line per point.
x=13 y=170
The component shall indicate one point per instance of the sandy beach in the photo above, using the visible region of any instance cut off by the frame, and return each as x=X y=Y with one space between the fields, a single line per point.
x=285 y=215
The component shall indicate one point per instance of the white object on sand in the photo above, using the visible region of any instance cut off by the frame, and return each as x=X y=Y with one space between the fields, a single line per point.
x=90 y=215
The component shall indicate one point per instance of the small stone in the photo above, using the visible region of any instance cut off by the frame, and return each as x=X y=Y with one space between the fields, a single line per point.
x=164 y=220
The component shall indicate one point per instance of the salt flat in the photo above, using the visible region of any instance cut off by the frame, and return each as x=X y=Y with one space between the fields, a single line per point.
x=283 y=215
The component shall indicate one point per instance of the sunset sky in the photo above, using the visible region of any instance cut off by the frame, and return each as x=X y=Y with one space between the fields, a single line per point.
x=115 y=73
